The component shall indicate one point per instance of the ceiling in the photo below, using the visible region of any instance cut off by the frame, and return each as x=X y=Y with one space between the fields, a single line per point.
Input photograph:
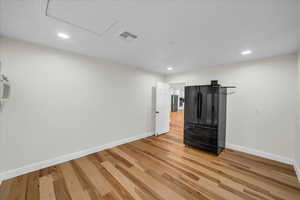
x=179 y=33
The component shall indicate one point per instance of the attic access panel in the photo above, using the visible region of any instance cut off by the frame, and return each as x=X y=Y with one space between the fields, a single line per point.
x=94 y=16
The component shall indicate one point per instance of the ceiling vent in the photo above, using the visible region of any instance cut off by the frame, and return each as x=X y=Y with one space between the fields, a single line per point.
x=128 y=36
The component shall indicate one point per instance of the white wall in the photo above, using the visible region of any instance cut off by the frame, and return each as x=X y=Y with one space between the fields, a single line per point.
x=261 y=114
x=63 y=103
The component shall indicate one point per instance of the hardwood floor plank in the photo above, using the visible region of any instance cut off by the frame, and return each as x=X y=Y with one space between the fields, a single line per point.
x=169 y=164
x=254 y=194
x=123 y=180
x=47 y=188
x=6 y=188
x=126 y=156
x=117 y=189
x=144 y=196
x=155 y=185
x=72 y=182
x=143 y=186
x=119 y=158
x=61 y=190
x=18 y=188
x=33 y=192
x=183 y=191
x=96 y=178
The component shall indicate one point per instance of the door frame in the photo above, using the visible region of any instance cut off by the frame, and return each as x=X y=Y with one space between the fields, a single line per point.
x=156 y=112
x=154 y=93
x=178 y=82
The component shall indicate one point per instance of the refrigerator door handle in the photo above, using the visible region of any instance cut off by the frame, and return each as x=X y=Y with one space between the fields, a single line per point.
x=198 y=99
x=199 y=105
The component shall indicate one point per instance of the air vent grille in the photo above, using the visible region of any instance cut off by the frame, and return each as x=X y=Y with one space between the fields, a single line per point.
x=128 y=36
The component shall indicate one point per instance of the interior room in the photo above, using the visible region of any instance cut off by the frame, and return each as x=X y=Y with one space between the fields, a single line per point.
x=149 y=100
x=177 y=108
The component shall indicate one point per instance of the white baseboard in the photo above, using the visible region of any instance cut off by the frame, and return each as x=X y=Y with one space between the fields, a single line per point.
x=297 y=169
x=47 y=163
x=267 y=155
x=261 y=154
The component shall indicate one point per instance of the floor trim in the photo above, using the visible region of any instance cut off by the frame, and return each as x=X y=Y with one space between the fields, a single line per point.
x=47 y=163
x=297 y=169
x=261 y=154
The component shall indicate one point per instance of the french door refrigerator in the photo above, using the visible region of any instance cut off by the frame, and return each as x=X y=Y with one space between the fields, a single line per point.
x=205 y=117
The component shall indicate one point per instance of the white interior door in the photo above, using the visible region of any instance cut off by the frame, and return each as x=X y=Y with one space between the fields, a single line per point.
x=163 y=108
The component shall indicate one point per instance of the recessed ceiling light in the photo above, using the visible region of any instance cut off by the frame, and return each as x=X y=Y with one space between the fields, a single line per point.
x=246 y=52
x=63 y=35
x=170 y=68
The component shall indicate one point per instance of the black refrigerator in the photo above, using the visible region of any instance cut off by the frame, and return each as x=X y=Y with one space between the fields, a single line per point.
x=205 y=117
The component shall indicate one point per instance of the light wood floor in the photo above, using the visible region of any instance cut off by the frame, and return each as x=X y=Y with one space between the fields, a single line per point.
x=158 y=168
